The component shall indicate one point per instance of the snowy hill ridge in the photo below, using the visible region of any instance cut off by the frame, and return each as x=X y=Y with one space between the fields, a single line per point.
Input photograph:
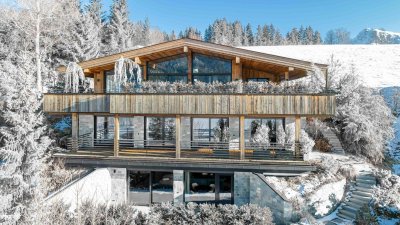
x=376 y=36
x=377 y=65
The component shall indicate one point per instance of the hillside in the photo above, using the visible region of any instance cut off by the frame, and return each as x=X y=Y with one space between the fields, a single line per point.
x=378 y=65
x=376 y=36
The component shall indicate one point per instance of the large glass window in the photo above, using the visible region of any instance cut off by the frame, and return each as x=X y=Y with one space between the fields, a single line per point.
x=208 y=187
x=169 y=69
x=104 y=127
x=111 y=85
x=162 y=186
x=210 y=129
x=126 y=127
x=160 y=128
x=252 y=124
x=209 y=69
x=139 y=187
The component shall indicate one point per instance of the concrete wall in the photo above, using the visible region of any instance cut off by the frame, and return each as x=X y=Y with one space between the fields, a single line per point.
x=119 y=185
x=251 y=188
x=138 y=129
x=178 y=186
x=234 y=132
x=185 y=132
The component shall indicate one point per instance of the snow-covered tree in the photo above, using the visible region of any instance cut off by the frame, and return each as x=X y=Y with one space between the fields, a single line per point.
x=280 y=134
x=248 y=36
x=119 y=29
x=290 y=133
x=261 y=136
x=363 y=118
x=221 y=131
x=307 y=143
x=23 y=144
x=387 y=192
x=337 y=36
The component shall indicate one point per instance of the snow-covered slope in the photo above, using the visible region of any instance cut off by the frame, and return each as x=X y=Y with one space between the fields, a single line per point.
x=376 y=36
x=377 y=65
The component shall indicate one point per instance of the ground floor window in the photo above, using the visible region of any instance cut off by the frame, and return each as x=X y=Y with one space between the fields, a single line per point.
x=147 y=187
x=252 y=124
x=160 y=128
x=210 y=129
x=208 y=187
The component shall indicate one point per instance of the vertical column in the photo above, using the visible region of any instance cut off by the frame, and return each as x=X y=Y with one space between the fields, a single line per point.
x=144 y=72
x=326 y=80
x=185 y=132
x=178 y=136
x=297 y=135
x=116 y=135
x=75 y=131
x=241 y=137
x=178 y=187
x=138 y=129
x=190 y=70
x=234 y=138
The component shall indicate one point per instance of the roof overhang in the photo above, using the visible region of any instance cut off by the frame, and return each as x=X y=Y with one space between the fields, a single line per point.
x=259 y=60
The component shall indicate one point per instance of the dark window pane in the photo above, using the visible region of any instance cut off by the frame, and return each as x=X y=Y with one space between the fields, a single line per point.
x=160 y=128
x=169 y=69
x=210 y=65
x=139 y=181
x=162 y=187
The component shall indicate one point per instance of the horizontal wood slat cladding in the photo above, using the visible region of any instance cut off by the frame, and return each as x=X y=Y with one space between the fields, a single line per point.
x=220 y=104
x=68 y=103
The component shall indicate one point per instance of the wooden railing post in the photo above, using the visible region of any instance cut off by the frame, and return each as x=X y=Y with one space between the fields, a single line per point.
x=116 y=135
x=178 y=137
x=241 y=138
x=297 y=135
x=74 y=132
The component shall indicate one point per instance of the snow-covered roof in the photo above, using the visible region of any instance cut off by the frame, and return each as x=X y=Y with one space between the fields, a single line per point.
x=377 y=65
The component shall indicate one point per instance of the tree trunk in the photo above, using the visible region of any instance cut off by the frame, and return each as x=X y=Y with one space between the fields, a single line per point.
x=37 y=53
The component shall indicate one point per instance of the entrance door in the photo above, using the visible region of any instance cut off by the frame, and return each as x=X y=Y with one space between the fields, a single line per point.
x=209 y=188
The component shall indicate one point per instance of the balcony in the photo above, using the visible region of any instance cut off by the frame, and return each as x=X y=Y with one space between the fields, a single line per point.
x=317 y=105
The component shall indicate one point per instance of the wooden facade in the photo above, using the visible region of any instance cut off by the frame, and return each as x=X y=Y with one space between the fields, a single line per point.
x=192 y=104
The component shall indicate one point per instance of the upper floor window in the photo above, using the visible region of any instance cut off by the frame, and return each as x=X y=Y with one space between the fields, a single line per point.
x=111 y=86
x=209 y=69
x=169 y=69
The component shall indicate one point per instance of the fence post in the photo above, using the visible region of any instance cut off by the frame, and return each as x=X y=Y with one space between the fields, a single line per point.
x=241 y=138
x=178 y=137
x=116 y=135
x=297 y=136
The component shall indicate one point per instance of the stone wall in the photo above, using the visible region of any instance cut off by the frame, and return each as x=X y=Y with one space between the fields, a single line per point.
x=252 y=188
x=119 y=185
x=178 y=186
x=185 y=132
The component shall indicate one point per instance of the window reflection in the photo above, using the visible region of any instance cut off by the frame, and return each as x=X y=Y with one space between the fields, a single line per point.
x=211 y=69
x=210 y=129
x=170 y=69
x=252 y=124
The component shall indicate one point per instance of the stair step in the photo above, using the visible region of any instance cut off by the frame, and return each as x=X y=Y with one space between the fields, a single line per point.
x=361 y=198
x=364 y=189
x=350 y=208
x=354 y=205
x=344 y=216
x=365 y=185
x=361 y=193
x=351 y=214
x=371 y=182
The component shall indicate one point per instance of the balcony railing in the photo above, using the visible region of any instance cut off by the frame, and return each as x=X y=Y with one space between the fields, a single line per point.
x=189 y=149
x=193 y=104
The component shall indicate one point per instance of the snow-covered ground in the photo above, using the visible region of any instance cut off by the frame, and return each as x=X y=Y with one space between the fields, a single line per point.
x=377 y=65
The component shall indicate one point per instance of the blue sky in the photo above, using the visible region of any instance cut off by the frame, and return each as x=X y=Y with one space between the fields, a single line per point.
x=354 y=15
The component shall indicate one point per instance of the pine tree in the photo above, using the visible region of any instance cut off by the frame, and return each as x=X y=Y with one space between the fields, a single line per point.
x=258 y=38
x=23 y=145
x=309 y=36
x=249 y=37
x=317 y=38
x=119 y=28
x=208 y=34
x=237 y=34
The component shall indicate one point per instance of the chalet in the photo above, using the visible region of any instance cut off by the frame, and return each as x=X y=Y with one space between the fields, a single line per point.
x=191 y=146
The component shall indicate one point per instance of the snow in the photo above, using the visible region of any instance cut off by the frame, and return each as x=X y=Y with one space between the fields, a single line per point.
x=322 y=199
x=378 y=65
x=395 y=145
x=95 y=187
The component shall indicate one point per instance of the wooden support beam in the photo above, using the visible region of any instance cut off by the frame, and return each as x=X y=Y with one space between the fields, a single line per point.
x=326 y=79
x=74 y=131
x=297 y=131
x=137 y=60
x=178 y=136
x=287 y=76
x=99 y=82
x=116 y=135
x=190 y=70
x=236 y=70
x=144 y=72
x=185 y=49
x=241 y=138
x=237 y=60
x=291 y=69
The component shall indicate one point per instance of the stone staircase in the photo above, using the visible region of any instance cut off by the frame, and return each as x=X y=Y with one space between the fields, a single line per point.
x=359 y=196
x=333 y=141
